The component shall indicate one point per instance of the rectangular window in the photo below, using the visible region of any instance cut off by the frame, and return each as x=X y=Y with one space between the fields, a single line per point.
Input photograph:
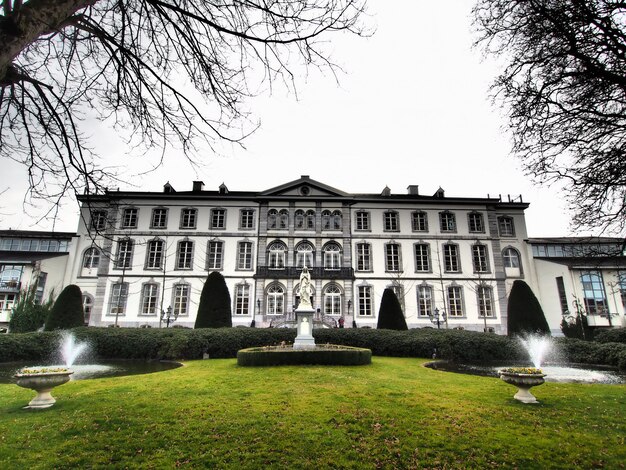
x=244 y=256
x=485 y=301
x=392 y=256
x=506 y=227
x=218 y=219
x=242 y=299
x=475 y=222
x=455 y=301
x=149 y=298
x=391 y=221
x=480 y=259
x=184 y=256
x=451 y=258
x=422 y=257
x=246 y=219
x=119 y=295
x=124 y=256
x=155 y=254
x=560 y=287
x=129 y=218
x=593 y=290
x=447 y=222
x=365 y=301
x=159 y=218
x=419 y=221
x=215 y=255
x=362 y=220
x=425 y=301
x=188 y=218
x=98 y=221
x=181 y=299
x=363 y=257
x=7 y=302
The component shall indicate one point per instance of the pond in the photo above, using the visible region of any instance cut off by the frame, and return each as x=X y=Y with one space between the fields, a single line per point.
x=570 y=373
x=110 y=368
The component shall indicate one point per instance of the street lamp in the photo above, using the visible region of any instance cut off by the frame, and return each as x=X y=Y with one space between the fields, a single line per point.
x=166 y=316
x=435 y=318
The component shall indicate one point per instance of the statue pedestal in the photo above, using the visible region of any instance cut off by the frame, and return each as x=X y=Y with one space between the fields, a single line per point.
x=304 y=322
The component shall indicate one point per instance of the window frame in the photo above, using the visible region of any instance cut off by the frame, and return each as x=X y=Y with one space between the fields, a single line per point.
x=391 y=221
x=156 y=254
x=454 y=258
x=184 y=258
x=188 y=218
x=130 y=218
x=506 y=226
x=244 y=255
x=475 y=222
x=150 y=300
x=419 y=221
x=424 y=253
x=125 y=249
x=362 y=221
x=393 y=260
x=215 y=255
x=217 y=220
x=458 y=301
x=365 y=301
x=246 y=219
x=447 y=222
x=364 y=257
x=480 y=258
x=241 y=305
x=181 y=296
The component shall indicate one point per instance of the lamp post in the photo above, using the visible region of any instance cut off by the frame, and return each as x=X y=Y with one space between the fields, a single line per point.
x=166 y=316
x=435 y=318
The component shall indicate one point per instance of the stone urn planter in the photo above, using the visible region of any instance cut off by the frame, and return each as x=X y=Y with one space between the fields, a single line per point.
x=524 y=378
x=42 y=380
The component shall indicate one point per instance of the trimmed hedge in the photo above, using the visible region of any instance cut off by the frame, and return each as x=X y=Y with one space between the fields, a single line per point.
x=341 y=356
x=174 y=343
x=614 y=335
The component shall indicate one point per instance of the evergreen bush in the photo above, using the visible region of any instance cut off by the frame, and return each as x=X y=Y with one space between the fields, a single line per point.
x=214 y=309
x=28 y=315
x=67 y=312
x=525 y=315
x=390 y=315
x=614 y=335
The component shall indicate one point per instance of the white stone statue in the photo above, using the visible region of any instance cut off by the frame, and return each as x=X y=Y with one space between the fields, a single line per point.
x=305 y=289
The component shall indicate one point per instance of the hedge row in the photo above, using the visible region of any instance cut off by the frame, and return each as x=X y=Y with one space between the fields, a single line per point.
x=614 y=335
x=342 y=356
x=172 y=343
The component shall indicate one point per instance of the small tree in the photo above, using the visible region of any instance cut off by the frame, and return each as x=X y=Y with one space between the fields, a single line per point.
x=67 y=312
x=525 y=313
x=27 y=314
x=390 y=315
x=214 y=309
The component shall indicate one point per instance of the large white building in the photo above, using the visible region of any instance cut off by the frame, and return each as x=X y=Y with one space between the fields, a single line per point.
x=451 y=258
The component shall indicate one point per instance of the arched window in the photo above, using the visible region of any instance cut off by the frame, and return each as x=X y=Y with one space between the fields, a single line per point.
x=283 y=219
x=332 y=256
x=310 y=220
x=510 y=257
x=272 y=219
x=275 y=300
x=87 y=306
x=332 y=300
x=336 y=220
x=91 y=259
x=299 y=220
x=276 y=255
x=326 y=220
x=305 y=255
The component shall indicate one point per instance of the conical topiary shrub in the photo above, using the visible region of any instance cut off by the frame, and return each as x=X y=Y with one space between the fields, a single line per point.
x=390 y=315
x=214 y=308
x=67 y=312
x=525 y=315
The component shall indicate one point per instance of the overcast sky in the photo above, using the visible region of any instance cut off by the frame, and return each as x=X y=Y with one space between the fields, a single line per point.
x=411 y=108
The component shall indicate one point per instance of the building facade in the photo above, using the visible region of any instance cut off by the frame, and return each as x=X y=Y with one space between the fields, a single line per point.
x=451 y=261
x=27 y=258
x=581 y=276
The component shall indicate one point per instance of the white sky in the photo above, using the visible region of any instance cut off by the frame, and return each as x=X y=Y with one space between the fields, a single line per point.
x=412 y=108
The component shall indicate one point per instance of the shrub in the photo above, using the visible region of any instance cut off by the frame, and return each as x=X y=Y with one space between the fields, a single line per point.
x=67 y=312
x=390 y=315
x=591 y=352
x=338 y=356
x=27 y=315
x=214 y=308
x=614 y=335
x=525 y=314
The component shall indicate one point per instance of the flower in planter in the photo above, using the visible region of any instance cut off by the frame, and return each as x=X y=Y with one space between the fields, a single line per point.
x=522 y=370
x=42 y=370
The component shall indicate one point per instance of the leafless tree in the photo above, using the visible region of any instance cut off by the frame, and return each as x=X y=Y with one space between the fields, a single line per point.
x=168 y=72
x=564 y=88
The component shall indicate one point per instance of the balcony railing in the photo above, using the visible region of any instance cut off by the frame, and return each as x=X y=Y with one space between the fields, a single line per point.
x=294 y=273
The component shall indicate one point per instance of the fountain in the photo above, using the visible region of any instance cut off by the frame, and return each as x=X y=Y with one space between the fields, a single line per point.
x=304 y=349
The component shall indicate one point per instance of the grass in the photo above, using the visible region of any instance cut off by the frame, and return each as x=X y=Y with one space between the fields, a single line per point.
x=393 y=413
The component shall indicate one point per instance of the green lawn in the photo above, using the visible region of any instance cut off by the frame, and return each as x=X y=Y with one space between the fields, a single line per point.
x=392 y=414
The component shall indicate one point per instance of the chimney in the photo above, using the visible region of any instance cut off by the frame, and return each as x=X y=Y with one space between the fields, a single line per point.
x=413 y=190
x=197 y=186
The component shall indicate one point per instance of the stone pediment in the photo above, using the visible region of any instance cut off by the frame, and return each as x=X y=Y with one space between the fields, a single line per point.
x=304 y=187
